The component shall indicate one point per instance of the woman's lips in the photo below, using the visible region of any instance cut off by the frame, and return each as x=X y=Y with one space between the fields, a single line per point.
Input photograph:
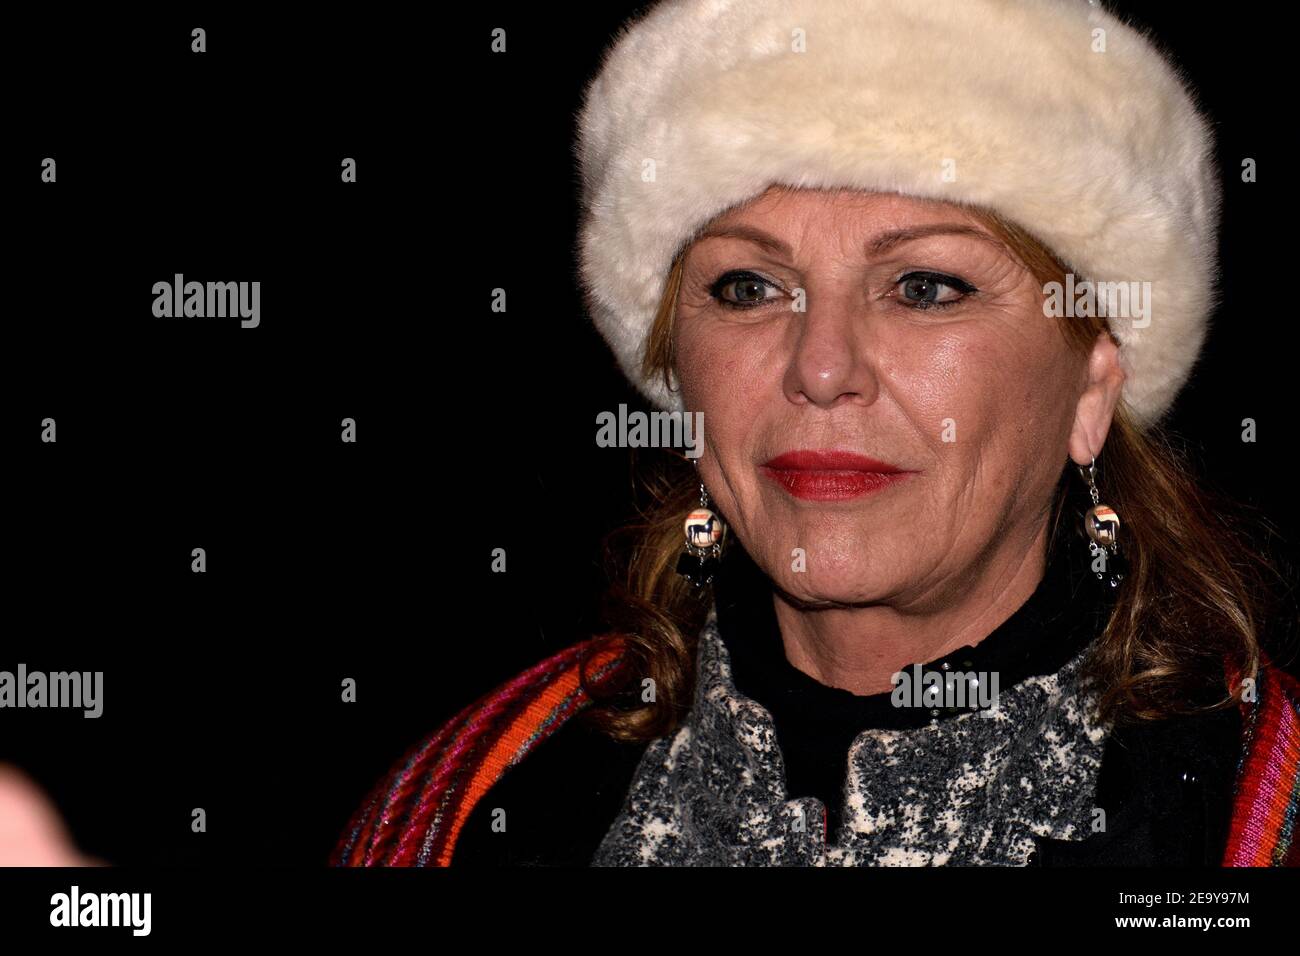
x=830 y=475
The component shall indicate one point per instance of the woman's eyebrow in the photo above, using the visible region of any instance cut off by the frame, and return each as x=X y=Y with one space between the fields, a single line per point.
x=879 y=244
x=896 y=237
x=750 y=233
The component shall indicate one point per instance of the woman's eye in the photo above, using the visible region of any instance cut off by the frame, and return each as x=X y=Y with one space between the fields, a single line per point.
x=932 y=290
x=742 y=290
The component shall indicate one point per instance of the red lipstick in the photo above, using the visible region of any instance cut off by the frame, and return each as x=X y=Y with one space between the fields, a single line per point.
x=830 y=475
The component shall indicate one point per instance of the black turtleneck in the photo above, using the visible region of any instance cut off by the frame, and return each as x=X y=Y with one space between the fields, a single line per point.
x=816 y=723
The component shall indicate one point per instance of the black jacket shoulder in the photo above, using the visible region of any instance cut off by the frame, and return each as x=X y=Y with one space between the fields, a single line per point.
x=1167 y=790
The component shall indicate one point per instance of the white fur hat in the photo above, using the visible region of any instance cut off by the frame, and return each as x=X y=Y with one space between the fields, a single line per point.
x=1053 y=113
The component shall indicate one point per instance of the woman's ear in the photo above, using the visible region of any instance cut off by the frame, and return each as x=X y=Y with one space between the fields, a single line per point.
x=1096 y=405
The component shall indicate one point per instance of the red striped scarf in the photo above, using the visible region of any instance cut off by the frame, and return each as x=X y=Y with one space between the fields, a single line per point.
x=1266 y=796
x=415 y=814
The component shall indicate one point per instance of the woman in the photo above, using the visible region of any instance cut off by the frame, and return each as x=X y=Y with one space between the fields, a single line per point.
x=932 y=273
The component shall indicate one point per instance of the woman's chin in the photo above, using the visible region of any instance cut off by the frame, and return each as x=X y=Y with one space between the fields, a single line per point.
x=822 y=589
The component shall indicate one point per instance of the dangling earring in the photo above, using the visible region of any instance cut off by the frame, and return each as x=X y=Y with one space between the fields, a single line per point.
x=704 y=533
x=1101 y=524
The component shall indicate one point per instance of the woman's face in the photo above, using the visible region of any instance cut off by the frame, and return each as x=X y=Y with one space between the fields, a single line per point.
x=886 y=327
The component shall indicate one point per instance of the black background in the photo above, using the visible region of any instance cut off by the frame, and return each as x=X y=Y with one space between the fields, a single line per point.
x=475 y=429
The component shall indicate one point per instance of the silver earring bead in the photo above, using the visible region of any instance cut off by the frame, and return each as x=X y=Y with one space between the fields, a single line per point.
x=1101 y=524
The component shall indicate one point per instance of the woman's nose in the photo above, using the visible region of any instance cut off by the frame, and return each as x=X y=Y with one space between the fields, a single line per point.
x=831 y=362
